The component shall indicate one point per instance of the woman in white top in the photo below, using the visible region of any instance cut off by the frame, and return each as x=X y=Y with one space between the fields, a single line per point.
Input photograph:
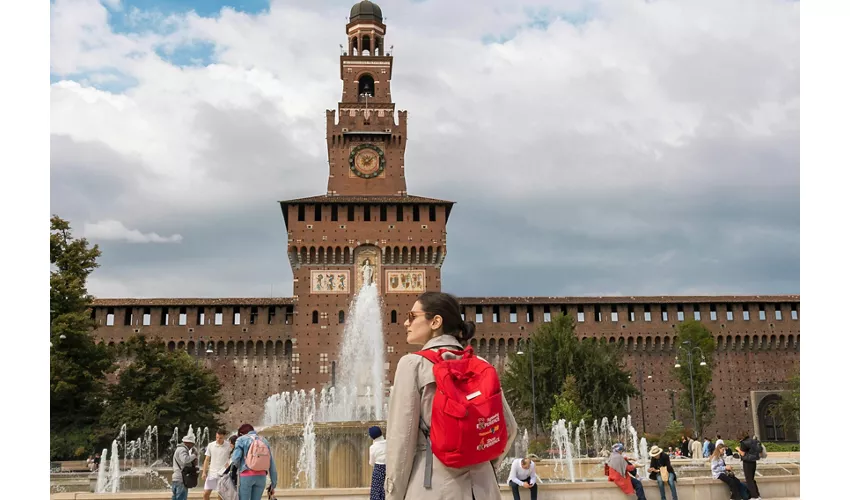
x=378 y=460
x=523 y=474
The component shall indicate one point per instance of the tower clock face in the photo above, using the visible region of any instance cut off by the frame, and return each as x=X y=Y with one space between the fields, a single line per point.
x=366 y=161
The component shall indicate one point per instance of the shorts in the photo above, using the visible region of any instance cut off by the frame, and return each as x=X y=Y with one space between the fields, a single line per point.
x=212 y=482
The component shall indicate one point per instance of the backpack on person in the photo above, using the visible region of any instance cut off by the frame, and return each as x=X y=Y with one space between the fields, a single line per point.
x=258 y=457
x=763 y=451
x=467 y=417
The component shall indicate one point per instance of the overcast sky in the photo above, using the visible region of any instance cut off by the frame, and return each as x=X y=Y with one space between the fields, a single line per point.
x=618 y=147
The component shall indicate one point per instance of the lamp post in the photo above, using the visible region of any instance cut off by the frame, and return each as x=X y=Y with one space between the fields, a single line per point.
x=640 y=387
x=689 y=350
x=531 y=361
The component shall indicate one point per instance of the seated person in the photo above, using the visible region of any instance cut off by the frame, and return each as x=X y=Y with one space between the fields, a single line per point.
x=523 y=474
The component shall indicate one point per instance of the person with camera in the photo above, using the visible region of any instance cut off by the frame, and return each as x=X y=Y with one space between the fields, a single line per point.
x=662 y=471
x=185 y=467
x=750 y=451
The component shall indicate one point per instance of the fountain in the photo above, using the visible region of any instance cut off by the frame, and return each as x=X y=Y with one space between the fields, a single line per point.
x=307 y=456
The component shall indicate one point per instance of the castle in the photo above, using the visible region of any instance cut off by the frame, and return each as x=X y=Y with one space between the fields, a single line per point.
x=367 y=226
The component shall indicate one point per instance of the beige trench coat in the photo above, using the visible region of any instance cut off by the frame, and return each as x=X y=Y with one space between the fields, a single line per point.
x=412 y=396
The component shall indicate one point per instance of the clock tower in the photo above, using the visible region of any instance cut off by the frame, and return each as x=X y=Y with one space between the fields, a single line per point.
x=366 y=227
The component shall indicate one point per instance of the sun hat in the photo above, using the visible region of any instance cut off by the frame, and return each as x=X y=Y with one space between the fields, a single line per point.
x=655 y=451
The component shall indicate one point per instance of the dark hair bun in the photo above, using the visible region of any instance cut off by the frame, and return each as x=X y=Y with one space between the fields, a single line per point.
x=467 y=331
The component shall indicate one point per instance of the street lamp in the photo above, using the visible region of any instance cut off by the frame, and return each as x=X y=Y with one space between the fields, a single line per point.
x=689 y=350
x=640 y=387
x=531 y=361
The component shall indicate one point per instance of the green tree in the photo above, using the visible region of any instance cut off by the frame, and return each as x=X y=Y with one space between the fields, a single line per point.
x=693 y=335
x=162 y=388
x=787 y=410
x=672 y=435
x=78 y=364
x=567 y=404
x=602 y=386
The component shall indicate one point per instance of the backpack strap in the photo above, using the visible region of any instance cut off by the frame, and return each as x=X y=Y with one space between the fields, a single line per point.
x=429 y=455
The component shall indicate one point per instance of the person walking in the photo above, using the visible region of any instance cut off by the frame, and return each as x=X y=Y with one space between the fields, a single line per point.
x=618 y=471
x=216 y=458
x=378 y=461
x=696 y=449
x=750 y=452
x=523 y=474
x=662 y=471
x=185 y=458
x=252 y=455
x=723 y=472
x=414 y=472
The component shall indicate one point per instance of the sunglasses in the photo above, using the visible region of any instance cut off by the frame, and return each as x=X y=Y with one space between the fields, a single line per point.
x=411 y=315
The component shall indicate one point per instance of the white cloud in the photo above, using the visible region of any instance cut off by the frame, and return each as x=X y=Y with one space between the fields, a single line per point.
x=113 y=230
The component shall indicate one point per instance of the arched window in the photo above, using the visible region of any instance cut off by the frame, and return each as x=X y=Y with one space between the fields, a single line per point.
x=366 y=84
x=393 y=317
x=315 y=317
x=341 y=317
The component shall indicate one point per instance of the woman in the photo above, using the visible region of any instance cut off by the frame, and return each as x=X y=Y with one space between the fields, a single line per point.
x=378 y=461
x=662 y=471
x=621 y=472
x=435 y=322
x=723 y=472
x=750 y=452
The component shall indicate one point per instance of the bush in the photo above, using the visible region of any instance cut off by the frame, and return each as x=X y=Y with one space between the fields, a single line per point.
x=539 y=447
x=781 y=447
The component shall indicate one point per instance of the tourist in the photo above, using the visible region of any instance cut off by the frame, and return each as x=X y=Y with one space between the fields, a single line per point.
x=90 y=463
x=710 y=448
x=719 y=441
x=378 y=461
x=696 y=449
x=662 y=471
x=435 y=322
x=750 y=451
x=723 y=472
x=255 y=466
x=184 y=462
x=685 y=446
x=523 y=474
x=96 y=461
x=618 y=469
x=216 y=459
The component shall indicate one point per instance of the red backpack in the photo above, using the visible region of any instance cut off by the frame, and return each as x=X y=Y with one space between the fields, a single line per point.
x=467 y=417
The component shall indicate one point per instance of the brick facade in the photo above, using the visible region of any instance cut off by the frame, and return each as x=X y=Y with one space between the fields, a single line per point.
x=260 y=347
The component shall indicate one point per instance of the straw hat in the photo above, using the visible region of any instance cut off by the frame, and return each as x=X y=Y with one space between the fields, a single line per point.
x=655 y=451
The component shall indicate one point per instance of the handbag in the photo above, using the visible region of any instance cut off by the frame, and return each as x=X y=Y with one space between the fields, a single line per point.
x=665 y=474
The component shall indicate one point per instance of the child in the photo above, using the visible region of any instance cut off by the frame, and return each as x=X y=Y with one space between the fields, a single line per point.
x=377 y=459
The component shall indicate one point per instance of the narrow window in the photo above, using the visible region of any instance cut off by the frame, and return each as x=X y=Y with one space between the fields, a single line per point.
x=318 y=210
x=219 y=316
x=399 y=213
x=341 y=317
x=201 y=319
x=680 y=312
x=432 y=213
x=181 y=318
x=334 y=213
x=110 y=316
x=383 y=213
x=367 y=213
x=631 y=311
x=547 y=314
x=615 y=316
x=762 y=315
x=415 y=213
x=794 y=312
x=697 y=314
x=463 y=314
x=597 y=314
x=664 y=316
x=647 y=313
x=128 y=316
x=272 y=312
x=254 y=314
x=163 y=316
x=237 y=316
x=512 y=317
x=146 y=316
x=350 y=213
x=529 y=314
x=301 y=213
x=730 y=315
x=746 y=313
x=580 y=314
x=712 y=312
x=393 y=317
x=496 y=310
x=315 y=317
x=479 y=314
x=778 y=314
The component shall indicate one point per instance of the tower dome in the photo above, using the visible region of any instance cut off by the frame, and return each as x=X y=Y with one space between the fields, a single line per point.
x=366 y=11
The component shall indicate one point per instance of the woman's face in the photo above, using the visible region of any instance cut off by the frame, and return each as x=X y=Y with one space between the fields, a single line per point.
x=420 y=329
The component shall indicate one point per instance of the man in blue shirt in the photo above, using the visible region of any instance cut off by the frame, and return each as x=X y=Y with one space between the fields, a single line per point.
x=252 y=482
